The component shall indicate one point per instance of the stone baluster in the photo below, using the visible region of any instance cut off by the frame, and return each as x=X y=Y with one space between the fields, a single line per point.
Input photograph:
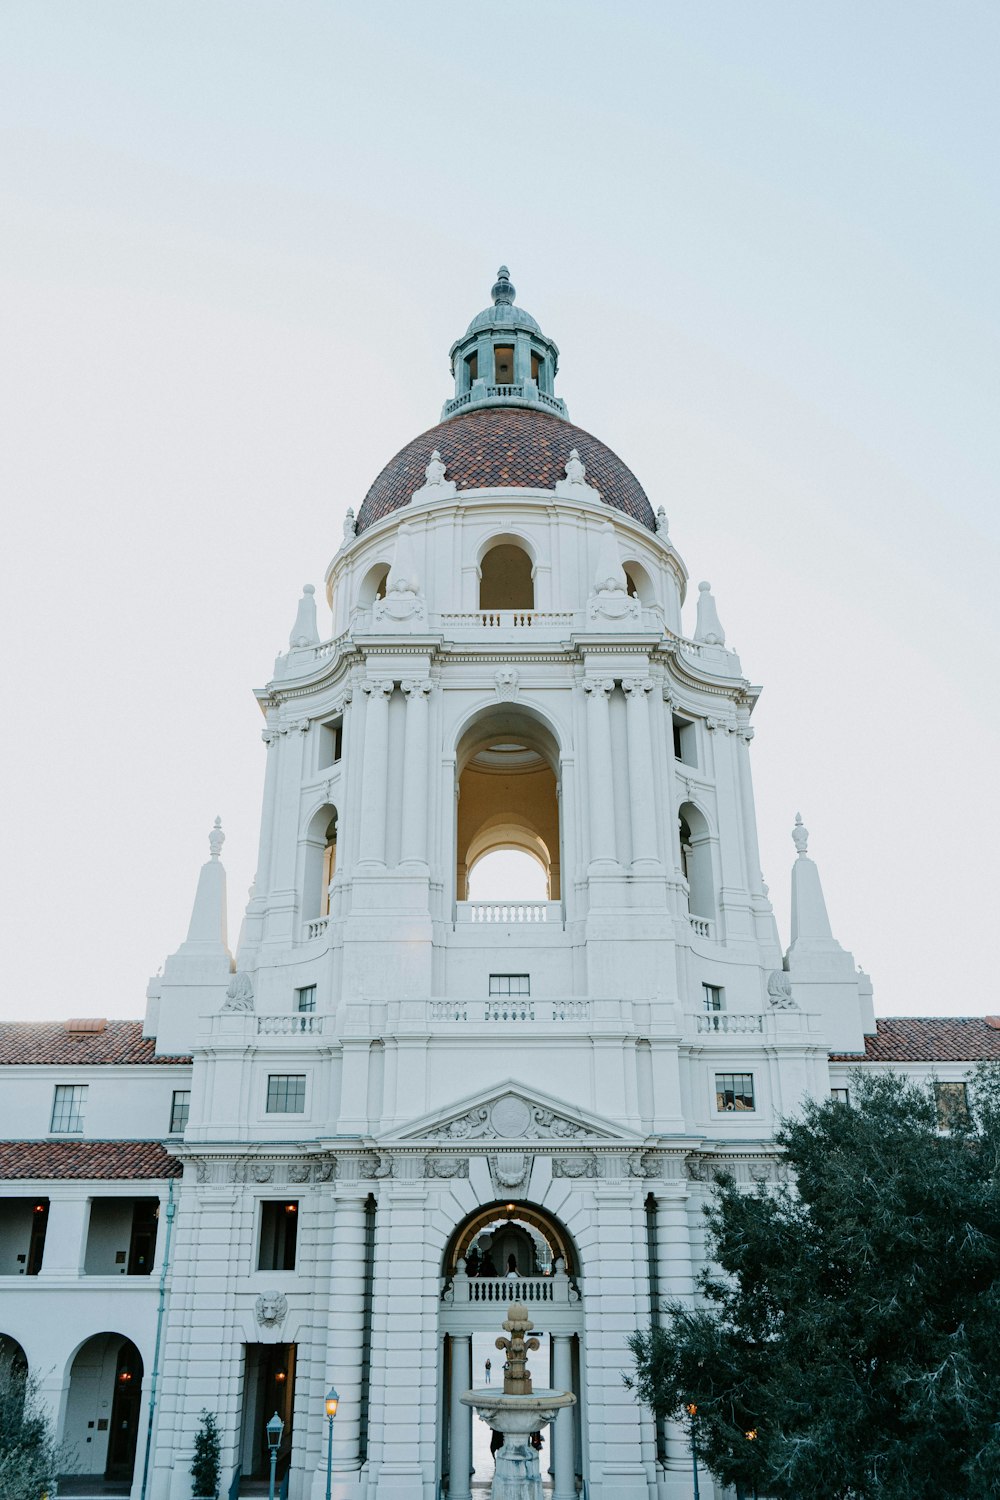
x=460 y=1466
x=601 y=769
x=413 y=834
x=374 y=786
x=640 y=770
x=563 y=1458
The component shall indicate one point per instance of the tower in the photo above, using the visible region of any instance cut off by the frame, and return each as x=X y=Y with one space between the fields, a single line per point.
x=401 y=1090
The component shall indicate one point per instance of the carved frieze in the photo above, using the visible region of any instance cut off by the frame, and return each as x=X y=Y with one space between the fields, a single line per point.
x=508 y=1118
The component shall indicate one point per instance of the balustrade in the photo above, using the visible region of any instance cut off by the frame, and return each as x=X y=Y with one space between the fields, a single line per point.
x=730 y=1022
x=700 y=926
x=505 y=912
x=316 y=928
x=507 y=1011
x=305 y=1024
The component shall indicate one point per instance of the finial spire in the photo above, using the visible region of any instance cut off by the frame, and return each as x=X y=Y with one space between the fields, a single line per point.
x=800 y=835
x=503 y=288
x=216 y=839
x=708 y=628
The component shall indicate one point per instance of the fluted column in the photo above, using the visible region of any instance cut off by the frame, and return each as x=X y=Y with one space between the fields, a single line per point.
x=563 y=1459
x=600 y=767
x=345 y=1331
x=374 y=787
x=642 y=803
x=460 y=1464
x=413 y=834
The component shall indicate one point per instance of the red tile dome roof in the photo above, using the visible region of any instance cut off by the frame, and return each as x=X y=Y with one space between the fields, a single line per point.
x=501 y=447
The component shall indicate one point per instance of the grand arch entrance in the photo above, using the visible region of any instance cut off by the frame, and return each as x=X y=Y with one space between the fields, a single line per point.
x=503 y=1253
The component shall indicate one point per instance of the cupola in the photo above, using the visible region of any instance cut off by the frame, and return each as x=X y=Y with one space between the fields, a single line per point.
x=504 y=359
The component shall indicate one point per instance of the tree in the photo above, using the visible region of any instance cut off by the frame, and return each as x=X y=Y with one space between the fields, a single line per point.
x=29 y=1456
x=205 y=1463
x=848 y=1343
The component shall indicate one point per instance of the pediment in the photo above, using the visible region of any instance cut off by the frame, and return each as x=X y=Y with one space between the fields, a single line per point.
x=510 y=1113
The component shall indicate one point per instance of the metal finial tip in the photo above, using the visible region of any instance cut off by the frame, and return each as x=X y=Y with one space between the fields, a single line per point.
x=503 y=287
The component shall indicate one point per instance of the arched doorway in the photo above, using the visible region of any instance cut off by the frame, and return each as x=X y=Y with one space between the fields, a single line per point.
x=503 y=1253
x=13 y=1360
x=508 y=804
x=103 y=1410
x=506 y=576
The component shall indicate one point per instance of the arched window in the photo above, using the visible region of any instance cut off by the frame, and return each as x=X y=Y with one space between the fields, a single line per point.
x=373 y=585
x=696 y=860
x=640 y=585
x=505 y=578
x=508 y=810
x=320 y=863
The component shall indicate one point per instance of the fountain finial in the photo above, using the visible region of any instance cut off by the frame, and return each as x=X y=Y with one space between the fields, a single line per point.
x=516 y=1380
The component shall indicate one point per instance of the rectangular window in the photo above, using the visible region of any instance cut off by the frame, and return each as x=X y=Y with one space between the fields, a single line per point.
x=331 y=742
x=952 y=1104
x=278 y=1233
x=713 y=996
x=684 y=741
x=286 y=1093
x=510 y=986
x=472 y=369
x=734 y=1091
x=179 y=1111
x=503 y=363
x=305 y=998
x=67 y=1107
x=842 y=1096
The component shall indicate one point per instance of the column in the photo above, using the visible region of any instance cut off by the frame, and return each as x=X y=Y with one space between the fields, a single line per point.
x=675 y=1278
x=374 y=785
x=413 y=833
x=640 y=770
x=345 y=1333
x=600 y=768
x=563 y=1462
x=66 y=1237
x=460 y=1418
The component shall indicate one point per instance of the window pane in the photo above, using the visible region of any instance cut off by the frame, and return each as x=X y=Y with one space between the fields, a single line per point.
x=179 y=1111
x=67 y=1107
x=286 y=1093
x=734 y=1091
x=306 y=997
x=510 y=986
x=278 y=1233
x=713 y=996
x=843 y=1096
x=952 y=1104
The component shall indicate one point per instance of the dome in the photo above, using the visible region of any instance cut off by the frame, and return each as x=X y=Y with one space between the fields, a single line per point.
x=502 y=447
x=503 y=313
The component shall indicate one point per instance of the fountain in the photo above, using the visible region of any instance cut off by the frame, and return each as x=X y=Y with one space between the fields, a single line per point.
x=517 y=1412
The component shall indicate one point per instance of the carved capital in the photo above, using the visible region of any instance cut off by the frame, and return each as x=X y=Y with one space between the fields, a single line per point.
x=416 y=687
x=597 y=686
x=376 y=686
x=637 y=687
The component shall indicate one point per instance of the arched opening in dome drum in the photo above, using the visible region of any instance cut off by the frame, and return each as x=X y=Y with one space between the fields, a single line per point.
x=503 y=364
x=373 y=585
x=696 y=860
x=471 y=371
x=508 y=812
x=506 y=578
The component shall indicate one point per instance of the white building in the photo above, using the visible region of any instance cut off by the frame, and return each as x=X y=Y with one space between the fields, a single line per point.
x=394 y=1091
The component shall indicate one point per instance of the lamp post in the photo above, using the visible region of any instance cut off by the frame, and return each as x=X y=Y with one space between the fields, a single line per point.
x=332 y=1402
x=274 y=1429
x=692 y=1412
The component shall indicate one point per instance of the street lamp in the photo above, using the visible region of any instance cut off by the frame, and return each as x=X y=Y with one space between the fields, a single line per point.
x=692 y=1412
x=331 y=1403
x=274 y=1429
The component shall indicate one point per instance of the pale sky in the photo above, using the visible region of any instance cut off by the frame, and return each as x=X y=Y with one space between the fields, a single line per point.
x=238 y=240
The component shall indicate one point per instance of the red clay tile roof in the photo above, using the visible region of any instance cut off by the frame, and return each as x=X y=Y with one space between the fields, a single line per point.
x=146 y=1160
x=500 y=447
x=929 y=1039
x=52 y=1042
